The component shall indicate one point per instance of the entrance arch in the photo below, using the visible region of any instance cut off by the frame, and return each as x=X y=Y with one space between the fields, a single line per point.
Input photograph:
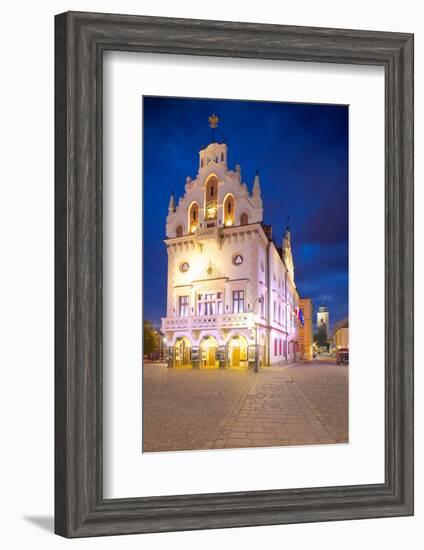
x=237 y=352
x=208 y=349
x=183 y=352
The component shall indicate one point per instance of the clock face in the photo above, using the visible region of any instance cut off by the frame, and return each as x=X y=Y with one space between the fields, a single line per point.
x=184 y=267
x=238 y=259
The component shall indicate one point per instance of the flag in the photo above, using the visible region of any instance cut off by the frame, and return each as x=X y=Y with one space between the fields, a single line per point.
x=299 y=315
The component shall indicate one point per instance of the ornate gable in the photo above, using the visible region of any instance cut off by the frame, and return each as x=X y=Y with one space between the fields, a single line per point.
x=210 y=272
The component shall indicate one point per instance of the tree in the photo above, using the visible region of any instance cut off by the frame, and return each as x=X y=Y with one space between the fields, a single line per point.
x=151 y=338
x=321 y=338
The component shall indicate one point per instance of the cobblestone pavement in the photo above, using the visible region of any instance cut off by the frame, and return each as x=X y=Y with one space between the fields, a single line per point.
x=206 y=409
x=317 y=382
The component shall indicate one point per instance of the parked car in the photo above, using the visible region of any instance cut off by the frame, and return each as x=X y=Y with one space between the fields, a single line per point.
x=342 y=356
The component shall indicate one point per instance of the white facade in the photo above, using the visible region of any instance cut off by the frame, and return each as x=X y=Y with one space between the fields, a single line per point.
x=230 y=290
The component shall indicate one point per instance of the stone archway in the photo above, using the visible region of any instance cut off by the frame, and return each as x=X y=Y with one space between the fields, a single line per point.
x=208 y=349
x=237 y=352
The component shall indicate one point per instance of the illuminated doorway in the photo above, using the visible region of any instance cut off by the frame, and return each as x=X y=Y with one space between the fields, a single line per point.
x=237 y=352
x=208 y=348
x=183 y=352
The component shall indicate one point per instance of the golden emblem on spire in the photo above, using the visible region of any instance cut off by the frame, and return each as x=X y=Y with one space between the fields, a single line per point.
x=213 y=121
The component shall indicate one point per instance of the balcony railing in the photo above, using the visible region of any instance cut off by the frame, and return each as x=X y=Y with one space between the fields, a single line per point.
x=229 y=320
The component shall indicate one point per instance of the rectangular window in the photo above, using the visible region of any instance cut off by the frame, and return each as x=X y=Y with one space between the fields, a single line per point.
x=279 y=313
x=219 y=304
x=275 y=346
x=275 y=311
x=262 y=306
x=281 y=343
x=238 y=301
x=210 y=303
x=183 y=306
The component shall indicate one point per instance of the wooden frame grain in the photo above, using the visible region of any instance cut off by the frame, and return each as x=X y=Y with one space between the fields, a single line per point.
x=80 y=40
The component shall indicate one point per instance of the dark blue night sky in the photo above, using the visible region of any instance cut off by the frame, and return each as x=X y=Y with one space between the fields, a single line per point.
x=301 y=152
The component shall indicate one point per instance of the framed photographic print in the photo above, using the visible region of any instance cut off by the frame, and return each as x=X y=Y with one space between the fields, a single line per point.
x=234 y=274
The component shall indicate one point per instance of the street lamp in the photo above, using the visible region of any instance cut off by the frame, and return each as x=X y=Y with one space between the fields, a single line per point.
x=257 y=300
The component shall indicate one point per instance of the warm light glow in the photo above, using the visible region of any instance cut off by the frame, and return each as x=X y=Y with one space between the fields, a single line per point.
x=211 y=212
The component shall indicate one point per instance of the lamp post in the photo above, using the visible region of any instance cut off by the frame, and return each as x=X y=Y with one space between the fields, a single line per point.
x=257 y=300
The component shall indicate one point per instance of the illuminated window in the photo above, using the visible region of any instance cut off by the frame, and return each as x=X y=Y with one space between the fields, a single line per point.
x=238 y=301
x=183 y=306
x=211 y=205
x=194 y=217
x=229 y=210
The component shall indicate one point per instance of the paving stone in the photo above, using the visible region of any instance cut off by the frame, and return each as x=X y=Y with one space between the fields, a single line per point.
x=201 y=409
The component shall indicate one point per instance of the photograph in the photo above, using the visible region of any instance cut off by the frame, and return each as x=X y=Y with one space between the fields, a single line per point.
x=245 y=274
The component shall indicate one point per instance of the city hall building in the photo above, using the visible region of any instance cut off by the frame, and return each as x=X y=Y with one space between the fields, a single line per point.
x=231 y=290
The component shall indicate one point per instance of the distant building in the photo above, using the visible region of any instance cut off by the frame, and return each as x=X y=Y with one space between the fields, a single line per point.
x=323 y=319
x=306 y=336
x=341 y=334
x=231 y=290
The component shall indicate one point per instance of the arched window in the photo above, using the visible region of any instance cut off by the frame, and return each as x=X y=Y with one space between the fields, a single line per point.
x=244 y=219
x=211 y=196
x=229 y=210
x=193 y=217
x=179 y=231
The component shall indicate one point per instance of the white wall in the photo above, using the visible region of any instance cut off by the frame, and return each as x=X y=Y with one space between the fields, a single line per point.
x=26 y=289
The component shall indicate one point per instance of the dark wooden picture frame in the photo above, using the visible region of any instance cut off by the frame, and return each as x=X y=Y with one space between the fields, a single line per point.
x=80 y=40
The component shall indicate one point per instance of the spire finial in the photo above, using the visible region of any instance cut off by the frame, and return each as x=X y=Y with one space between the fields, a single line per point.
x=213 y=123
x=171 y=206
x=256 y=185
